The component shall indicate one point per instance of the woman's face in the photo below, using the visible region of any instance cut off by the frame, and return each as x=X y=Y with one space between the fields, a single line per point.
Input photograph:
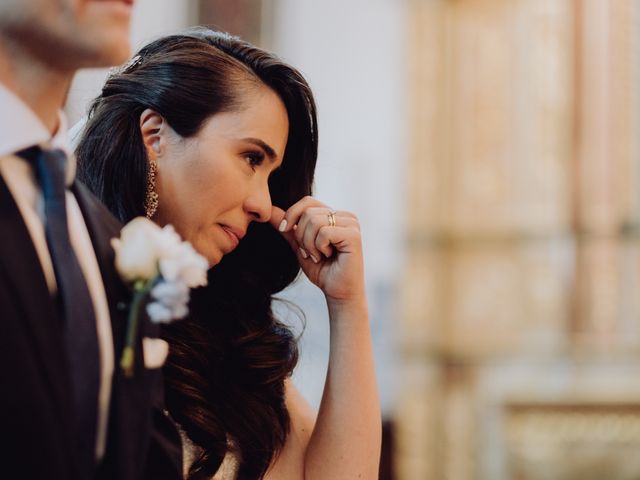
x=213 y=185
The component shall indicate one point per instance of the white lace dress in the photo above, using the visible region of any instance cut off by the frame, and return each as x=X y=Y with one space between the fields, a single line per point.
x=228 y=469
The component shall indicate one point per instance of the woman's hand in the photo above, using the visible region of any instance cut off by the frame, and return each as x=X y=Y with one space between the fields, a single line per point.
x=331 y=256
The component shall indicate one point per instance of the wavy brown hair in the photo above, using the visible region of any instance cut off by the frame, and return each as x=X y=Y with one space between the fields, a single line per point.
x=224 y=379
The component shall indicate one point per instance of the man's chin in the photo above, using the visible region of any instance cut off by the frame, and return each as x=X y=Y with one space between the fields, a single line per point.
x=107 y=47
x=113 y=54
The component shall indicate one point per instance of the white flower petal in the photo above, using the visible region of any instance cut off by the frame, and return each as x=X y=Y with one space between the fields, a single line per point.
x=159 y=313
x=184 y=264
x=136 y=259
x=171 y=293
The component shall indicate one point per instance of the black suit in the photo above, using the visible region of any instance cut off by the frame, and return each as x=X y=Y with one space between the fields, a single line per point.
x=35 y=401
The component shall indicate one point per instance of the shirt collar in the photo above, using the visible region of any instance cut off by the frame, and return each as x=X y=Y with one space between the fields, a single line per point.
x=21 y=128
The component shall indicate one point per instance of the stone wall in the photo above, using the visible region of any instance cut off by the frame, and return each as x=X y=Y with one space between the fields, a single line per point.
x=521 y=294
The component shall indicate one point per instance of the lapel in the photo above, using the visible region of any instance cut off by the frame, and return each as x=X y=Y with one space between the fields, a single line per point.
x=20 y=263
x=102 y=227
x=130 y=412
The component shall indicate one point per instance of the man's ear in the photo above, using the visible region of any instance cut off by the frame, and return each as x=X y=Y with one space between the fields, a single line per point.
x=152 y=128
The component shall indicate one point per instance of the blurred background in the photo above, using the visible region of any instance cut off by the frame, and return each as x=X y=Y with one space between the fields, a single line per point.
x=491 y=151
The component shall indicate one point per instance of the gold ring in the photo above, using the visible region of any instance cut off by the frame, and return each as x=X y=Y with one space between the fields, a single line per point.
x=332 y=218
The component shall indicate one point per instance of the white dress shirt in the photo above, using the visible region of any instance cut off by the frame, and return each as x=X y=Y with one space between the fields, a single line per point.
x=20 y=128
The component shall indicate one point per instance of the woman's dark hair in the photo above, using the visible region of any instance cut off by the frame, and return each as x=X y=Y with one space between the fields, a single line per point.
x=224 y=379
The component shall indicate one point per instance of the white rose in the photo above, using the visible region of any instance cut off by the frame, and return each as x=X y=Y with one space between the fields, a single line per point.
x=136 y=250
x=180 y=262
x=167 y=241
x=194 y=268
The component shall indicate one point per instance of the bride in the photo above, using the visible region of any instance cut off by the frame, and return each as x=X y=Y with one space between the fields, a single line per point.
x=219 y=138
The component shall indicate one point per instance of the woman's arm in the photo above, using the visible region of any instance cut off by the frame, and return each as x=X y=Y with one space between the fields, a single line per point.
x=345 y=440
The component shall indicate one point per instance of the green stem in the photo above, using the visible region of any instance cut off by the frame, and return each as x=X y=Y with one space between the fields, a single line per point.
x=141 y=289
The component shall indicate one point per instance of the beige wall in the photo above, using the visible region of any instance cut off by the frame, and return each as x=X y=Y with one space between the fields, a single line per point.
x=521 y=332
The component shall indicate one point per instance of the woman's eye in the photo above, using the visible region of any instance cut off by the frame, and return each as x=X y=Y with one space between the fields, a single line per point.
x=254 y=159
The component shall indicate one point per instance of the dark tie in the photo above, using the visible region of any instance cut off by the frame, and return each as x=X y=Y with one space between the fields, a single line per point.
x=79 y=319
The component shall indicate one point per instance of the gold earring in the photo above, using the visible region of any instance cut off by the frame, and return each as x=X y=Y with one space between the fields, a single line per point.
x=151 y=197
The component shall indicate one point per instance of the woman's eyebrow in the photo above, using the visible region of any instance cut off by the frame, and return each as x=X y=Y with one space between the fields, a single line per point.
x=268 y=150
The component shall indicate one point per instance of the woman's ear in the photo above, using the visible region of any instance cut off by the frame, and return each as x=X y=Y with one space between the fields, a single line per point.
x=152 y=128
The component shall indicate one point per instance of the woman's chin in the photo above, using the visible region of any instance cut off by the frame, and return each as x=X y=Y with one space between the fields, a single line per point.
x=213 y=256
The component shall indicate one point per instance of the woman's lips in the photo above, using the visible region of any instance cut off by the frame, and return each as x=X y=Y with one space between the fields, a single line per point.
x=233 y=235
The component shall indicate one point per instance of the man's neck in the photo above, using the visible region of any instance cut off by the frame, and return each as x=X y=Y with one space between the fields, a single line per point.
x=39 y=86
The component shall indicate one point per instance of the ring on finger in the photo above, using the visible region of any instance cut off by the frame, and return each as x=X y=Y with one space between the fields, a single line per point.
x=332 y=218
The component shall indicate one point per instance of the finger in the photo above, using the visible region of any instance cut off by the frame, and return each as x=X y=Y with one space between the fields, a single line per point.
x=323 y=241
x=321 y=217
x=277 y=216
x=311 y=227
x=295 y=212
x=309 y=230
x=312 y=214
x=342 y=240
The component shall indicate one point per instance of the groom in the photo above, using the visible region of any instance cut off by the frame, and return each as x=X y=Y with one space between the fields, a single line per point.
x=66 y=410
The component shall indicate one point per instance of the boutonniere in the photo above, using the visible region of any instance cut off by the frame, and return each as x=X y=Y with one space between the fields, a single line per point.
x=157 y=264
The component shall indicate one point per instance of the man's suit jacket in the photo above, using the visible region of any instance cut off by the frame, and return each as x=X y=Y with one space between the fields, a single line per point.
x=35 y=401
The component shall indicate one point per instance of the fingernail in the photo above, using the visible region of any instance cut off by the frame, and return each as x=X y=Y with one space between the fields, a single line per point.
x=283 y=225
x=304 y=253
x=315 y=260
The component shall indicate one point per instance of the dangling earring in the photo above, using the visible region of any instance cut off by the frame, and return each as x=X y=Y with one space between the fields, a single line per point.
x=151 y=197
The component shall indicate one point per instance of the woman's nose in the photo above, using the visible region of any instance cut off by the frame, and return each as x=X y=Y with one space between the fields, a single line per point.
x=258 y=203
